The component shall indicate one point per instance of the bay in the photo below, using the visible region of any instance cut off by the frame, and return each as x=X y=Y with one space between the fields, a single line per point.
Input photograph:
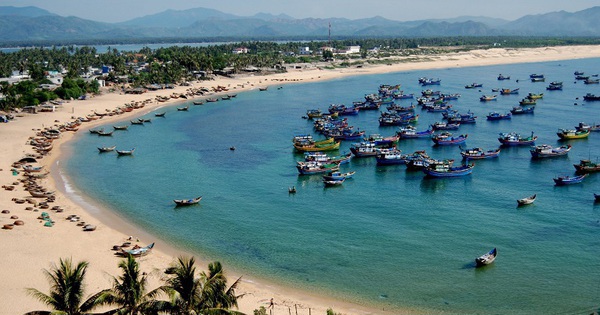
x=388 y=238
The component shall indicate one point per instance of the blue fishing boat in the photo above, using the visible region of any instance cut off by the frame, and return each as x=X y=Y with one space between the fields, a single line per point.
x=430 y=82
x=446 y=138
x=445 y=170
x=310 y=168
x=513 y=138
x=401 y=109
x=412 y=133
x=479 y=154
x=486 y=258
x=473 y=85
x=445 y=126
x=546 y=150
x=338 y=175
x=390 y=157
x=568 y=180
x=498 y=116
x=518 y=110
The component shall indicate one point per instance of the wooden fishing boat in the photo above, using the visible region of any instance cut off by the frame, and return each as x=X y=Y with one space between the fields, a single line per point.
x=528 y=101
x=509 y=91
x=545 y=150
x=314 y=113
x=125 y=152
x=473 y=85
x=479 y=154
x=199 y=102
x=136 y=252
x=446 y=170
x=586 y=166
x=568 y=134
x=364 y=149
x=263 y=88
x=105 y=134
x=513 y=138
x=310 y=168
x=568 y=180
x=137 y=122
x=212 y=99
x=498 y=116
x=324 y=158
x=518 y=110
x=412 y=133
x=445 y=126
x=553 y=87
x=317 y=147
x=187 y=202
x=390 y=157
x=32 y=169
x=181 y=109
x=583 y=126
x=446 y=138
x=40 y=194
x=534 y=96
x=430 y=82
x=333 y=182
x=401 y=109
x=487 y=98
x=161 y=114
x=124 y=127
x=591 y=97
x=486 y=258
x=96 y=131
x=106 y=149
x=338 y=175
x=501 y=77
x=527 y=200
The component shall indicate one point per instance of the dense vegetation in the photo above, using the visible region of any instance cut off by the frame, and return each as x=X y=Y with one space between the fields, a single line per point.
x=175 y=64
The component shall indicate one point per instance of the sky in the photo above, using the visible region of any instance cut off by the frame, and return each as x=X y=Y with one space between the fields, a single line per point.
x=399 y=10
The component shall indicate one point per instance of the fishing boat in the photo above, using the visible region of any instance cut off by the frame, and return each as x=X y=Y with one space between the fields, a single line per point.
x=528 y=101
x=338 y=175
x=390 y=157
x=584 y=126
x=401 y=109
x=310 y=168
x=446 y=138
x=527 y=200
x=105 y=134
x=486 y=258
x=568 y=134
x=568 y=180
x=501 y=77
x=445 y=126
x=182 y=109
x=324 y=158
x=430 y=82
x=513 y=138
x=538 y=79
x=162 y=114
x=136 y=122
x=591 y=97
x=199 y=102
x=554 y=87
x=364 y=149
x=96 y=131
x=586 y=166
x=473 y=85
x=212 y=99
x=479 y=154
x=509 y=91
x=498 y=116
x=534 y=96
x=518 y=110
x=124 y=127
x=487 y=98
x=317 y=147
x=412 y=133
x=447 y=170
x=545 y=150
x=314 y=113
x=333 y=182
x=136 y=252
x=125 y=152
x=106 y=149
x=32 y=169
x=187 y=202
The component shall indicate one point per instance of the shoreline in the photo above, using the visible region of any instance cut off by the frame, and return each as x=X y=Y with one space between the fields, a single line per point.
x=40 y=246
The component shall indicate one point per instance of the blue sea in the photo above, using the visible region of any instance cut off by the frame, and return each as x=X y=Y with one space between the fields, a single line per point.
x=388 y=238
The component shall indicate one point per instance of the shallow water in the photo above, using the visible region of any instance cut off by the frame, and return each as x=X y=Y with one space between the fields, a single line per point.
x=388 y=237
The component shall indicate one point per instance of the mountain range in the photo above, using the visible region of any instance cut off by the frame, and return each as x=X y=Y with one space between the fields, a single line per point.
x=30 y=24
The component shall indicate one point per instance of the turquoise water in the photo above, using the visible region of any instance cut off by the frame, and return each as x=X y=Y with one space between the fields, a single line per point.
x=388 y=237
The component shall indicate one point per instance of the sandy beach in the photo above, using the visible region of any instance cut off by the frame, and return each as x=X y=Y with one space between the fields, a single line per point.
x=32 y=247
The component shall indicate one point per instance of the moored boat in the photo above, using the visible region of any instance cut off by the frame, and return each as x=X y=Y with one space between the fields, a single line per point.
x=568 y=180
x=487 y=98
x=445 y=126
x=509 y=91
x=568 y=134
x=502 y=77
x=333 y=182
x=473 y=85
x=123 y=127
x=125 y=152
x=338 y=175
x=310 y=168
x=412 y=133
x=514 y=138
x=161 y=114
x=527 y=200
x=591 y=97
x=498 y=116
x=187 y=202
x=518 y=110
x=106 y=149
x=447 y=170
x=545 y=150
x=182 y=109
x=584 y=126
x=446 y=138
x=390 y=157
x=486 y=258
x=528 y=101
x=324 y=158
x=479 y=154
x=586 y=166
x=317 y=147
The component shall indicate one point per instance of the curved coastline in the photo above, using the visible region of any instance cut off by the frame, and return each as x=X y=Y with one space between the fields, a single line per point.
x=42 y=244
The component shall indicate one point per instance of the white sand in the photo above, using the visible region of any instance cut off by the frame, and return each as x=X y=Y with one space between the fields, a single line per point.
x=32 y=247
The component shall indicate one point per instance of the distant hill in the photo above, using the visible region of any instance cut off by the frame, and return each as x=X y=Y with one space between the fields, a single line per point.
x=31 y=24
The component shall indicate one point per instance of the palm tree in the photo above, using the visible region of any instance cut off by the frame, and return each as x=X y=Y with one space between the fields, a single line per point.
x=66 y=290
x=207 y=294
x=129 y=292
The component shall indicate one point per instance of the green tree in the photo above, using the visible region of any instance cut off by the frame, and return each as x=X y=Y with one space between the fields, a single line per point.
x=66 y=290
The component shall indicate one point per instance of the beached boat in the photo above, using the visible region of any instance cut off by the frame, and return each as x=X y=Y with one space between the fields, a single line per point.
x=584 y=126
x=32 y=169
x=136 y=252
x=479 y=154
x=486 y=258
x=586 y=166
x=527 y=200
x=545 y=150
x=446 y=138
x=513 y=138
x=310 y=168
x=338 y=175
x=568 y=134
x=518 y=110
x=568 y=180
x=487 y=98
x=473 y=85
x=106 y=149
x=125 y=152
x=40 y=194
x=187 y=202
x=498 y=116
x=447 y=170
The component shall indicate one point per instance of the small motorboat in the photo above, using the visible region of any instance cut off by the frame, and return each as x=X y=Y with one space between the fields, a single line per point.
x=568 y=180
x=125 y=152
x=527 y=200
x=486 y=258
